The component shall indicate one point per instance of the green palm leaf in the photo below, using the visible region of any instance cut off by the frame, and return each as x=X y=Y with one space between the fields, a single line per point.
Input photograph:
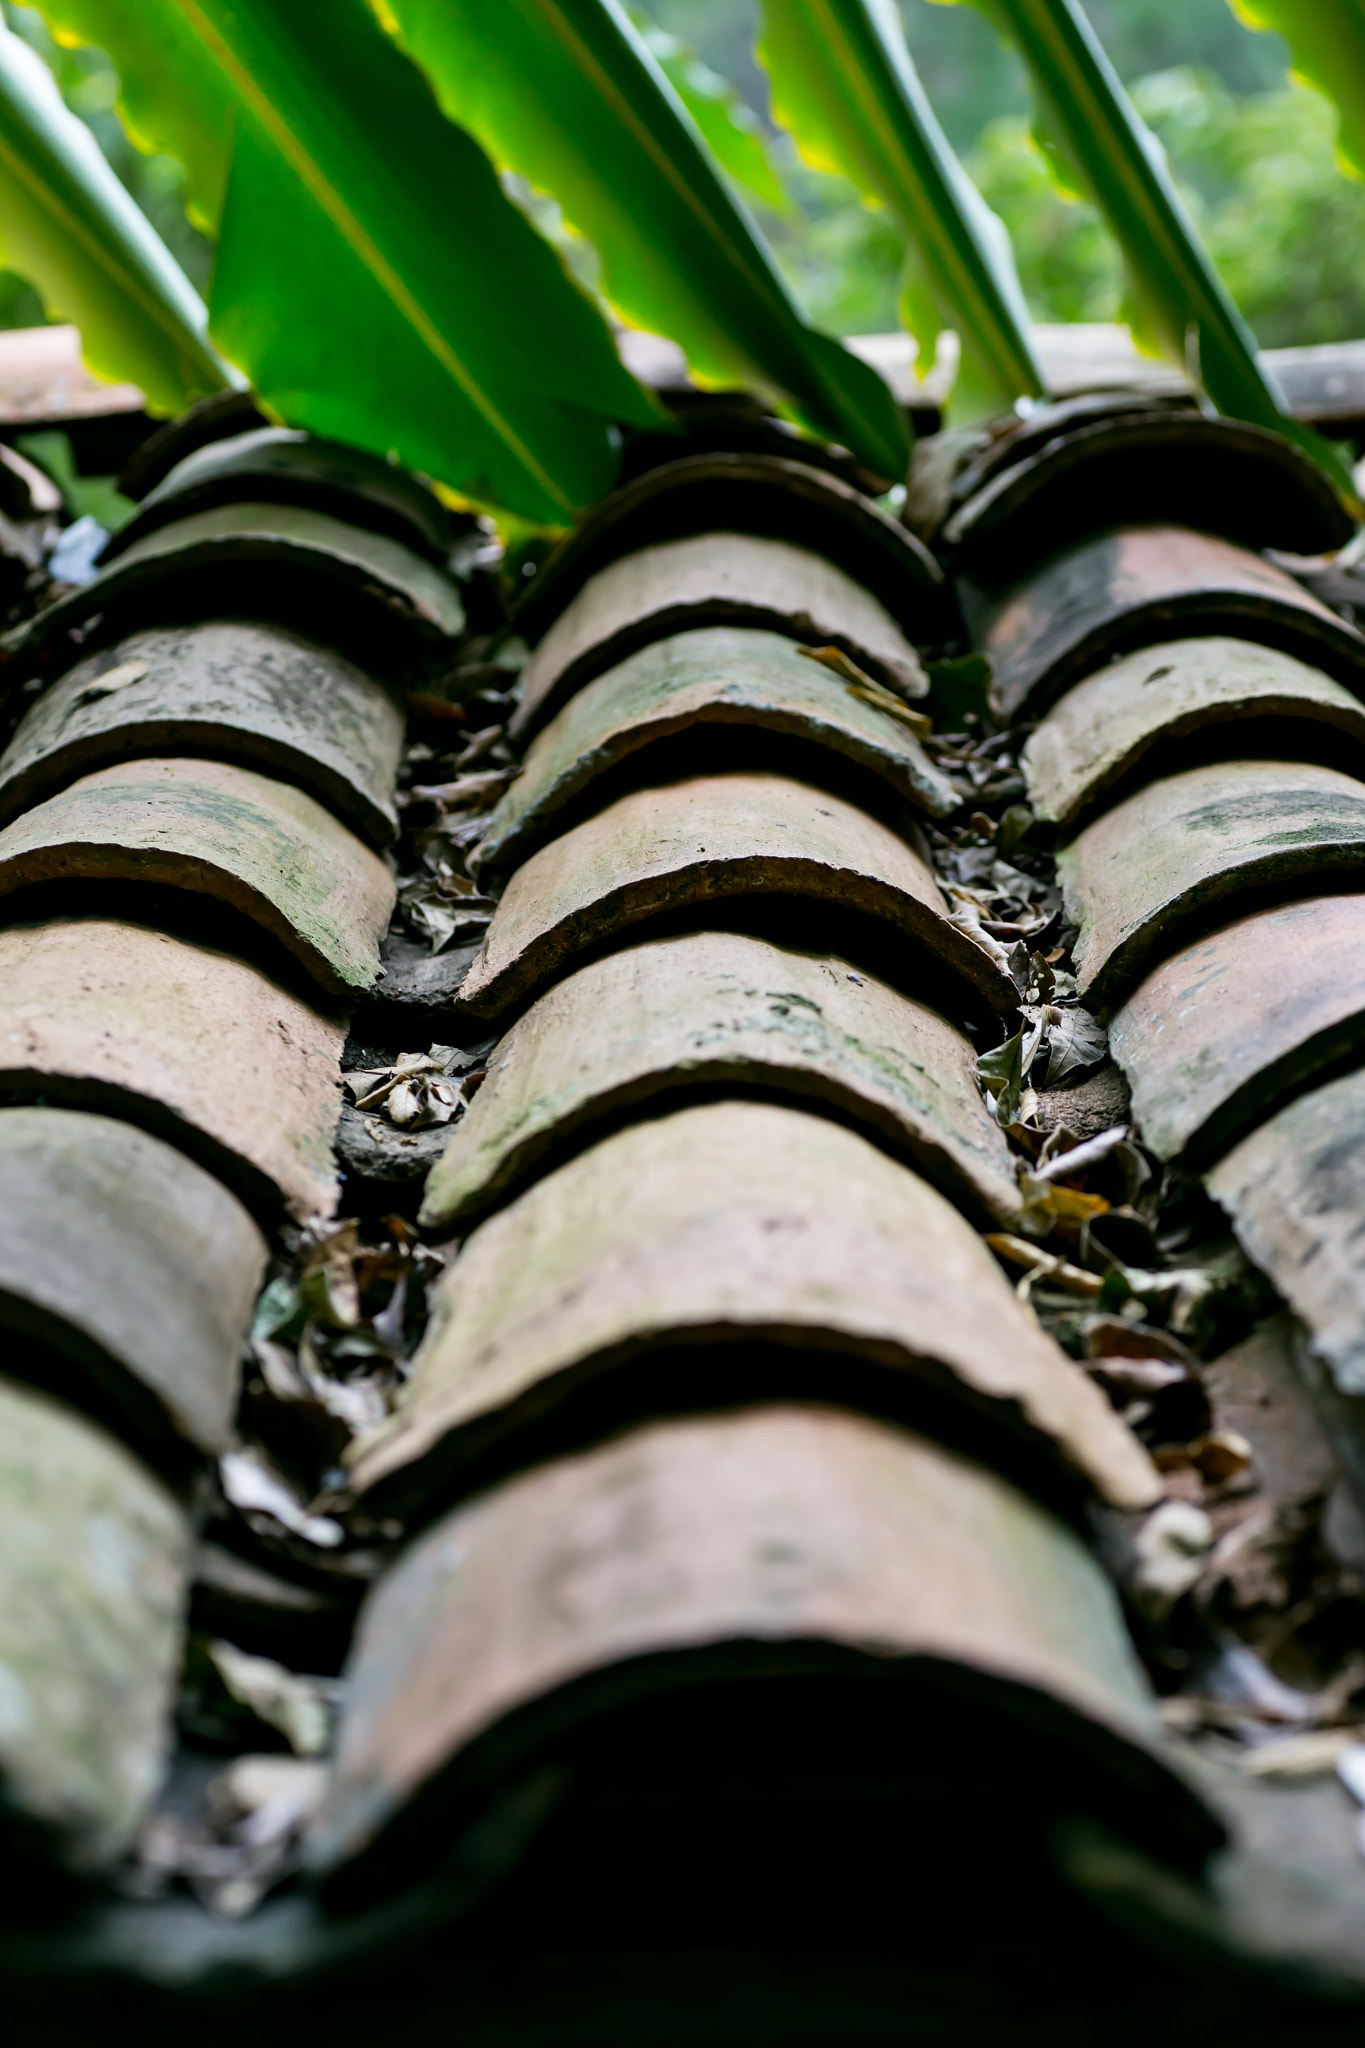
x=69 y=227
x=370 y=275
x=727 y=127
x=566 y=93
x=845 y=87
x=1099 y=146
x=1327 y=38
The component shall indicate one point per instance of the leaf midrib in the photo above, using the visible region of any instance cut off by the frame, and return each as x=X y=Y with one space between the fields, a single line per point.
x=363 y=245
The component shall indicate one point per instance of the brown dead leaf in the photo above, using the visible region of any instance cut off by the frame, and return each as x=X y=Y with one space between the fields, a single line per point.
x=860 y=684
x=1039 y=1264
x=302 y=1709
x=328 y=1283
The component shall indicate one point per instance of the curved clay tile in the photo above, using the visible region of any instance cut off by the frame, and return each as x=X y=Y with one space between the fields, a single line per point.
x=694 y=842
x=189 y=1040
x=277 y=561
x=1139 y=586
x=718 y=675
x=1219 y=476
x=94 y=1560
x=231 y=689
x=735 y=1223
x=212 y=828
x=1139 y=710
x=722 y=1008
x=1181 y=849
x=132 y=1264
x=282 y=466
x=710 y=1549
x=1230 y=1026
x=767 y=495
x=712 y=579
x=1295 y=1191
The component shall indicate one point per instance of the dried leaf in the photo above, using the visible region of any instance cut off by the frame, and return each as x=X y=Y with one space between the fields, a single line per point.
x=253 y=1485
x=1253 y=1564
x=466 y=792
x=416 y=1091
x=1242 y=1678
x=1045 y=1265
x=262 y=1801
x=113 y=679
x=280 y=1370
x=280 y=1312
x=1314 y=1755
x=1064 y=1155
x=437 y=913
x=1046 y=1204
x=1014 y=826
x=1075 y=1040
x=328 y=1282
x=1001 y=1072
x=1170 y=1549
x=404 y=1103
x=300 y=1708
x=860 y=684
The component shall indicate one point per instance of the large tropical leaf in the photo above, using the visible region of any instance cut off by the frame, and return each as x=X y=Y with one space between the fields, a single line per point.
x=69 y=227
x=1327 y=39
x=371 y=276
x=729 y=129
x=844 y=85
x=1100 y=146
x=566 y=93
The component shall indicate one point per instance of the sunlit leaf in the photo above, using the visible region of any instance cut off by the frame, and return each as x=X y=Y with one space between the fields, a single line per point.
x=1327 y=41
x=70 y=228
x=728 y=127
x=371 y=276
x=844 y=85
x=1100 y=148
x=567 y=93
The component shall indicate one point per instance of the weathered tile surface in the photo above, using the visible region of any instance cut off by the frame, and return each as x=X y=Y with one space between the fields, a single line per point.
x=231 y=688
x=1258 y=1390
x=1178 y=848
x=1105 y=726
x=971 y=457
x=281 y=465
x=225 y=550
x=209 y=826
x=694 y=842
x=1136 y=587
x=1221 y=476
x=736 y=1221
x=737 y=1533
x=199 y=1044
x=1227 y=1028
x=126 y=1257
x=767 y=495
x=711 y=1007
x=711 y=579
x=1295 y=1190
x=728 y=675
x=94 y=1554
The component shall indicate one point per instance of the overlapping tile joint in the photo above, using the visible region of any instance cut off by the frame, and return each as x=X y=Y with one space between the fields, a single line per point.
x=691 y=1451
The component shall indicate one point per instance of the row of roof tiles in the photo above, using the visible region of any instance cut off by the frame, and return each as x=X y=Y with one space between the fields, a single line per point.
x=818 y=1225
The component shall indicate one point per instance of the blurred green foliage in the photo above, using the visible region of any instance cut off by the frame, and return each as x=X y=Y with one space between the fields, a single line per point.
x=1252 y=154
x=1285 y=228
